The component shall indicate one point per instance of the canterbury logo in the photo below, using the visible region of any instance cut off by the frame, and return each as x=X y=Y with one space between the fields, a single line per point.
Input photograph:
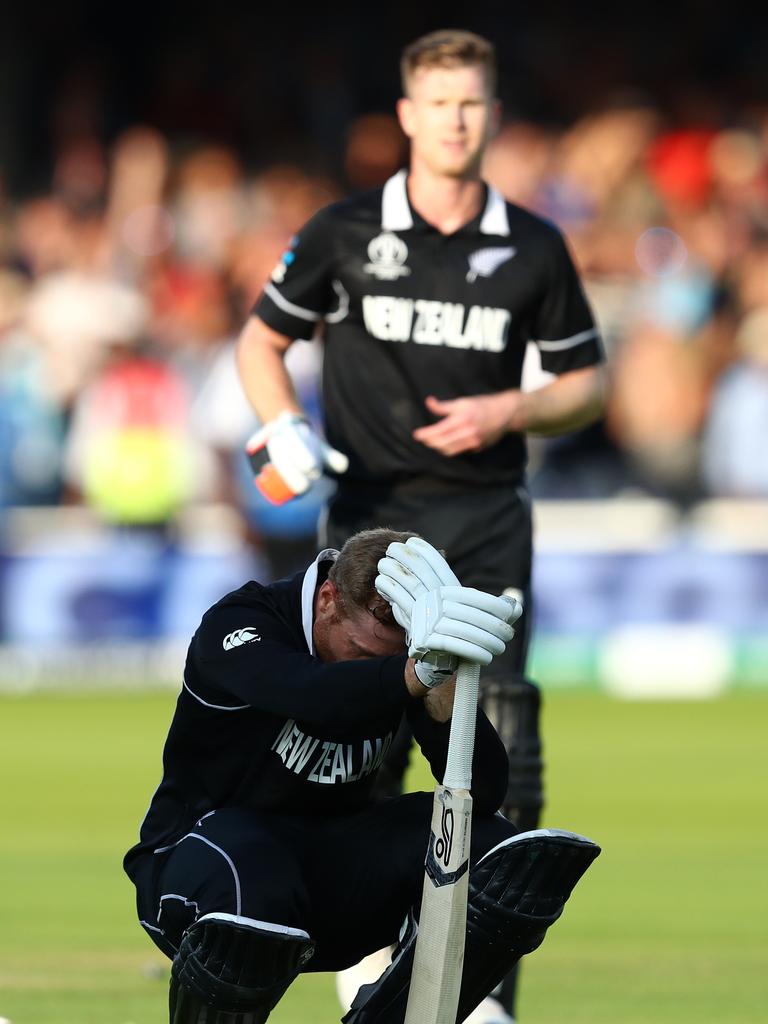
x=485 y=261
x=246 y=635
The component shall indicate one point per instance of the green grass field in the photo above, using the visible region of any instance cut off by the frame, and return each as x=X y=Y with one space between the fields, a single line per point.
x=671 y=923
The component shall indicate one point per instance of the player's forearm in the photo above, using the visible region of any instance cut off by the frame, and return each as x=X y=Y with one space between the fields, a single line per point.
x=264 y=377
x=572 y=401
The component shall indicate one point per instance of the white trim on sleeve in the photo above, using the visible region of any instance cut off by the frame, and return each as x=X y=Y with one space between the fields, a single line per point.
x=565 y=343
x=290 y=307
x=343 y=308
x=216 y=707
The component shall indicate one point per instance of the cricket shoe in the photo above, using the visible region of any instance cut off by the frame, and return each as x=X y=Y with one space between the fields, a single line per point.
x=490 y=1011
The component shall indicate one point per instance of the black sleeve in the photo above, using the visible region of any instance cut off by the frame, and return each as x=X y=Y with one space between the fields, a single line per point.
x=264 y=669
x=490 y=765
x=300 y=291
x=564 y=330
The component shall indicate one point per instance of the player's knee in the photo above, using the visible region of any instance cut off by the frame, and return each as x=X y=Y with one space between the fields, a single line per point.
x=234 y=968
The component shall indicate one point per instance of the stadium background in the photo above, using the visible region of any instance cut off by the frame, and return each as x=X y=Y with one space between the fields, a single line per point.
x=152 y=168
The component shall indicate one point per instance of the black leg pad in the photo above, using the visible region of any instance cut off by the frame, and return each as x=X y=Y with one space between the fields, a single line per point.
x=232 y=970
x=516 y=891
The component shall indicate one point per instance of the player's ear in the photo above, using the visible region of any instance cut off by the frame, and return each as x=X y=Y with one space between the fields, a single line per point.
x=326 y=604
x=405 y=115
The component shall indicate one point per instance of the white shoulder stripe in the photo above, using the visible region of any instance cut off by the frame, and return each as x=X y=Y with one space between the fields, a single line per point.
x=217 y=707
x=572 y=342
x=290 y=307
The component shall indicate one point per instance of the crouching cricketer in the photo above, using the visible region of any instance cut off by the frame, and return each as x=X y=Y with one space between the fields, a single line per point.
x=262 y=855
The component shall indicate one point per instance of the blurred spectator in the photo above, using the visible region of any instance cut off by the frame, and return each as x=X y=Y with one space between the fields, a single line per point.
x=72 y=316
x=735 y=459
x=375 y=150
x=517 y=161
x=130 y=453
x=169 y=237
x=660 y=386
x=680 y=167
x=31 y=422
x=139 y=226
x=80 y=176
x=208 y=207
x=44 y=236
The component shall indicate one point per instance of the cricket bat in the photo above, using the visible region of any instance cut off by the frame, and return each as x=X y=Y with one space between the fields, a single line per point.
x=438 y=961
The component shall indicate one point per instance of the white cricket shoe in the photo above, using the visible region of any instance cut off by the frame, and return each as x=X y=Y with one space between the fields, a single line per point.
x=367 y=971
x=490 y=1011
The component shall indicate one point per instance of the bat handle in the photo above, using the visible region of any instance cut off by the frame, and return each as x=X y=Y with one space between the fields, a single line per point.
x=461 y=744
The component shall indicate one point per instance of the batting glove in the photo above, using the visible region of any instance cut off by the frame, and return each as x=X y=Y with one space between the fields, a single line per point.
x=287 y=456
x=408 y=571
x=459 y=622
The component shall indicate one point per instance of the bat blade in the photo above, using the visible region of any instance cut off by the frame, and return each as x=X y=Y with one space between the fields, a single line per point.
x=439 y=956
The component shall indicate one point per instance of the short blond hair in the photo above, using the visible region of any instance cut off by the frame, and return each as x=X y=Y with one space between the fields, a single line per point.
x=449 y=48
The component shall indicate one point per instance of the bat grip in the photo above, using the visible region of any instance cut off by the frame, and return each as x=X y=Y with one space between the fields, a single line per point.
x=461 y=744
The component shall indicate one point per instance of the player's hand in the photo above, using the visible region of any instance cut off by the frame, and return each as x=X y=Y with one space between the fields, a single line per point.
x=469 y=424
x=462 y=623
x=287 y=456
x=409 y=570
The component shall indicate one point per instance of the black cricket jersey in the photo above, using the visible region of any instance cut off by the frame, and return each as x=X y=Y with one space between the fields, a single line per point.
x=261 y=723
x=409 y=312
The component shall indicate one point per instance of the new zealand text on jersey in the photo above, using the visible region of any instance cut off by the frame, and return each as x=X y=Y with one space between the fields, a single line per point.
x=325 y=761
x=428 y=322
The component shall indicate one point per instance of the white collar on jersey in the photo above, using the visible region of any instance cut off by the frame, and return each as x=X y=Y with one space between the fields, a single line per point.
x=308 y=588
x=396 y=210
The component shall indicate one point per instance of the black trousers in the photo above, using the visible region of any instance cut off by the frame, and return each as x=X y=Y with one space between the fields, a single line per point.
x=486 y=536
x=347 y=881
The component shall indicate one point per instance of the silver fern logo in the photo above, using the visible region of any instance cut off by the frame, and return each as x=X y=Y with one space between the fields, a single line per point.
x=485 y=262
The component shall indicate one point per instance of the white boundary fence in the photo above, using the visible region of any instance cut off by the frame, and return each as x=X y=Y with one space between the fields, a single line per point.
x=631 y=597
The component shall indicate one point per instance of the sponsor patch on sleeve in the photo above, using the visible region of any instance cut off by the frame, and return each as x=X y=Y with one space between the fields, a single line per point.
x=246 y=635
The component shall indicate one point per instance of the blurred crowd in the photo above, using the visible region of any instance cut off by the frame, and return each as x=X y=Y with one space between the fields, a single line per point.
x=124 y=285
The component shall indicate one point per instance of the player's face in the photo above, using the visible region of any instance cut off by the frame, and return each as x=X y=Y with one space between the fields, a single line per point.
x=449 y=117
x=347 y=636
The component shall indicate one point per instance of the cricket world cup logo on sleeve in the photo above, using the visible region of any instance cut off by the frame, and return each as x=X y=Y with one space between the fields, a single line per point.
x=387 y=254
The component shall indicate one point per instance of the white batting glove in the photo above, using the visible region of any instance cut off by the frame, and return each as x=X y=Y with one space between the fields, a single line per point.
x=462 y=623
x=287 y=456
x=409 y=570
